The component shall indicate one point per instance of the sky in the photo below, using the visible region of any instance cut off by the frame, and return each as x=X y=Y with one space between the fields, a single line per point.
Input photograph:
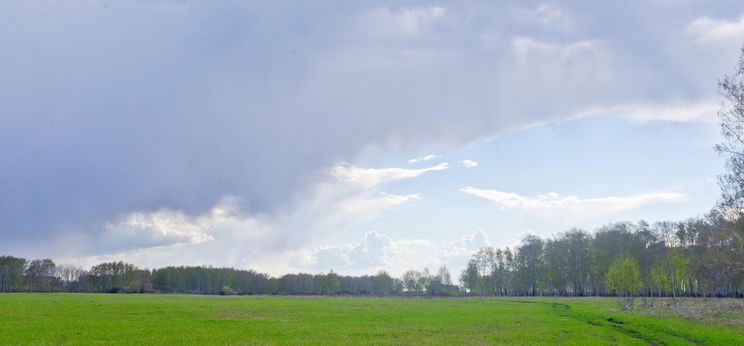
x=354 y=136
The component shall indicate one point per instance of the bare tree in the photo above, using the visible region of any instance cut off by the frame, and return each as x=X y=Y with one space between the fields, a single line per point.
x=731 y=205
x=731 y=88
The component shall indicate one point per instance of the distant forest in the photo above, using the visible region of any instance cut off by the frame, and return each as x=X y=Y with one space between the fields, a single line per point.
x=697 y=257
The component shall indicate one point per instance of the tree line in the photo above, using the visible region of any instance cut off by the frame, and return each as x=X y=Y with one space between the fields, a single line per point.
x=697 y=257
x=43 y=275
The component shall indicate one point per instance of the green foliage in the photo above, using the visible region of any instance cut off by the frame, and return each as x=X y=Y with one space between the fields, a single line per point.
x=228 y=291
x=384 y=283
x=696 y=257
x=660 y=278
x=470 y=279
x=11 y=273
x=113 y=277
x=624 y=278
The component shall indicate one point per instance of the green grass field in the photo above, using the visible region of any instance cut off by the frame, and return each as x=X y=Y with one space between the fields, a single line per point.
x=187 y=319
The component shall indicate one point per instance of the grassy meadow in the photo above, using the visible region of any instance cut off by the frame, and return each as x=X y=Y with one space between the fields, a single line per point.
x=59 y=318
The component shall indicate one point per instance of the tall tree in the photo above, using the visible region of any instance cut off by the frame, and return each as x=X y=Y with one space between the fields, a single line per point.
x=731 y=207
x=529 y=262
x=469 y=279
x=11 y=273
x=731 y=88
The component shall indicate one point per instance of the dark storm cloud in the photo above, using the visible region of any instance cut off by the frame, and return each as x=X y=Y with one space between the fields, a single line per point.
x=109 y=108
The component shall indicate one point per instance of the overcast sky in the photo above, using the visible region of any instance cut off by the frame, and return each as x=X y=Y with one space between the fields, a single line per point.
x=291 y=136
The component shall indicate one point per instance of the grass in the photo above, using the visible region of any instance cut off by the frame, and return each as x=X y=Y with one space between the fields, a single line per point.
x=187 y=319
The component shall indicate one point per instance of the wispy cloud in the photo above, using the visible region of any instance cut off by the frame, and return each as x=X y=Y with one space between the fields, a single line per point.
x=358 y=208
x=552 y=200
x=424 y=158
x=370 y=177
x=677 y=111
x=708 y=29
x=404 y=22
x=548 y=14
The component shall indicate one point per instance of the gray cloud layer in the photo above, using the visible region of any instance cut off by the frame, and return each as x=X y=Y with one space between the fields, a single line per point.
x=110 y=108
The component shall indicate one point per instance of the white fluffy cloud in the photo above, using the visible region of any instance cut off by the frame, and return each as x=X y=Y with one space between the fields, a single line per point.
x=161 y=228
x=376 y=251
x=469 y=163
x=349 y=195
x=509 y=200
x=381 y=251
x=464 y=246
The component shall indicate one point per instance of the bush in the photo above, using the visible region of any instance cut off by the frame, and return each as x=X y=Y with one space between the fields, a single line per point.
x=228 y=291
x=624 y=280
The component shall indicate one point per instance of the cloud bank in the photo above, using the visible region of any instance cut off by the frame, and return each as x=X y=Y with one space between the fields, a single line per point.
x=134 y=120
x=381 y=251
